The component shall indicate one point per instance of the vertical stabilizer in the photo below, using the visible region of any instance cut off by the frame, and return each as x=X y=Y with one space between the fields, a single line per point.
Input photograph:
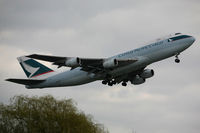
x=32 y=68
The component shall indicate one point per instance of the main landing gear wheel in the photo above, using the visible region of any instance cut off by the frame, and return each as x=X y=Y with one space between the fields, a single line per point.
x=114 y=82
x=177 y=60
x=104 y=82
x=110 y=83
x=124 y=84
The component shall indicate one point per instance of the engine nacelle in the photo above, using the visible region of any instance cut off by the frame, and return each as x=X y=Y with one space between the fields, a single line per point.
x=110 y=63
x=147 y=73
x=137 y=80
x=73 y=62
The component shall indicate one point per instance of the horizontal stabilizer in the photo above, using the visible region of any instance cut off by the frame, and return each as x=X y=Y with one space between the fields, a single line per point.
x=26 y=81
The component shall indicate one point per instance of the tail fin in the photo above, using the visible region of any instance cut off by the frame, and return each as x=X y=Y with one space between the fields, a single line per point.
x=32 y=68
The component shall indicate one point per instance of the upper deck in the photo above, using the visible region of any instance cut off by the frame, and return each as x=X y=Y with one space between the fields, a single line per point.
x=168 y=36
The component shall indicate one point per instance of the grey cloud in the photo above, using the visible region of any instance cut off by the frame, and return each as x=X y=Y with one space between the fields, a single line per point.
x=28 y=14
x=166 y=103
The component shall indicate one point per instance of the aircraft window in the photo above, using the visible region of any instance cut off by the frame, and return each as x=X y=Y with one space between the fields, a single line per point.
x=178 y=38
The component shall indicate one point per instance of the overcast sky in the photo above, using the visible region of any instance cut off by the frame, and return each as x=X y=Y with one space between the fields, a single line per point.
x=169 y=102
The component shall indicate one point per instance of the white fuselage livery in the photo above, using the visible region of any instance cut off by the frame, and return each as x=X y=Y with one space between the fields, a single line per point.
x=146 y=55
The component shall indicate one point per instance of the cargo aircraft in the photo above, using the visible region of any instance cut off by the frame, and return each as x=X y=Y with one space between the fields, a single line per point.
x=122 y=68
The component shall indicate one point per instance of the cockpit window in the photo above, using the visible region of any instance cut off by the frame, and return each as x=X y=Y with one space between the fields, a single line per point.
x=178 y=38
x=177 y=33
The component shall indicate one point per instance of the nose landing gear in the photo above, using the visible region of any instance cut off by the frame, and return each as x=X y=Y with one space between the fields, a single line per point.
x=177 y=60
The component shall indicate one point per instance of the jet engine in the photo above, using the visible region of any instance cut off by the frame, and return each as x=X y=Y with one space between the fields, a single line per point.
x=137 y=80
x=110 y=63
x=73 y=62
x=147 y=73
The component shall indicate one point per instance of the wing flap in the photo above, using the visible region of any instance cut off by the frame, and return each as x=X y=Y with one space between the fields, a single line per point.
x=26 y=81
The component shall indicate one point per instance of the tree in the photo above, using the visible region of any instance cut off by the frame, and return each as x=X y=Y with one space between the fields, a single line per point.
x=45 y=115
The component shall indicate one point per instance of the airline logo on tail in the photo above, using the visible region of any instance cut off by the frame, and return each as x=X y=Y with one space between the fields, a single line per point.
x=32 y=68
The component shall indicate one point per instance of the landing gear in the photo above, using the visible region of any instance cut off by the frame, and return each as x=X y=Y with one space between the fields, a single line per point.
x=177 y=60
x=109 y=82
x=104 y=82
x=124 y=84
x=114 y=82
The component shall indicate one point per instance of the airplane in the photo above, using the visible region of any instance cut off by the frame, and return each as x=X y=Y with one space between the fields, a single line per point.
x=121 y=68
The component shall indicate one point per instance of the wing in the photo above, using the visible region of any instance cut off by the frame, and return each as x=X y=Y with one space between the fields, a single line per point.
x=93 y=65
x=25 y=81
x=47 y=57
x=67 y=61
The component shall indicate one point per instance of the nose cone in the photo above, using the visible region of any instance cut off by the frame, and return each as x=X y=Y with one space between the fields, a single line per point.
x=192 y=40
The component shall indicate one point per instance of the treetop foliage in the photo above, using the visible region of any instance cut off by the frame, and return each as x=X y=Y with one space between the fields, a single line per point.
x=45 y=115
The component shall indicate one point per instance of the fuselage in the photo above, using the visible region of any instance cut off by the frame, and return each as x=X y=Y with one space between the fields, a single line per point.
x=156 y=51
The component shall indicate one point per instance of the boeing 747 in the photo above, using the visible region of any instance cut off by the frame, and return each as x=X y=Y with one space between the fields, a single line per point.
x=122 y=68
